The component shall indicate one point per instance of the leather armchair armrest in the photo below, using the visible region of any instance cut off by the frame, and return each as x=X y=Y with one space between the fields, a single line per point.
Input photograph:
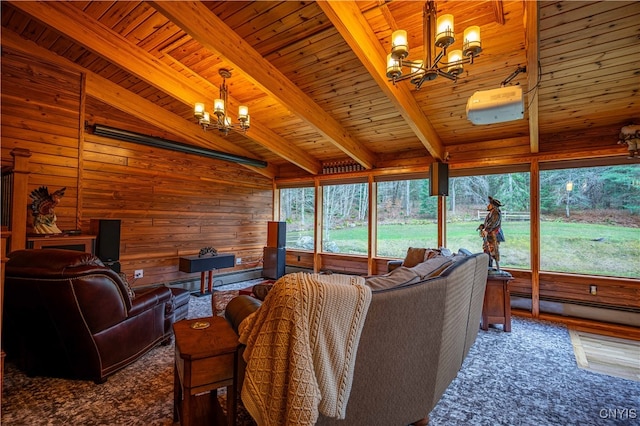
x=148 y=298
x=239 y=308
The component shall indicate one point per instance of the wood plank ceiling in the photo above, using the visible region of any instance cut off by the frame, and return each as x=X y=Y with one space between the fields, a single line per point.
x=312 y=74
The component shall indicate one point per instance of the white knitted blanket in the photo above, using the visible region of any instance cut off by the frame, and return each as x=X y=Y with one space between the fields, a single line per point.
x=301 y=348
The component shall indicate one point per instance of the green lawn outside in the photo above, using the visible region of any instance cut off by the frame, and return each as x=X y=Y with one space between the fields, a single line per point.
x=609 y=250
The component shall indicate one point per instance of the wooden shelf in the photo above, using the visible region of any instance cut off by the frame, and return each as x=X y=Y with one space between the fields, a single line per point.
x=84 y=243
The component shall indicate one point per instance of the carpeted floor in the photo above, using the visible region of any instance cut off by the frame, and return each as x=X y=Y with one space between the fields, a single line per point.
x=526 y=377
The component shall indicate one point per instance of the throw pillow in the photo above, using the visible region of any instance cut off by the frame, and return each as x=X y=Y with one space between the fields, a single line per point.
x=260 y=291
x=398 y=277
x=464 y=251
x=130 y=292
x=431 y=253
x=414 y=256
x=432 y=267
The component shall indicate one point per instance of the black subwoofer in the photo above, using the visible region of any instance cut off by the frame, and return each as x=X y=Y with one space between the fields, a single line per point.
x=108 y=238
x=274 y=262
x=439 y=179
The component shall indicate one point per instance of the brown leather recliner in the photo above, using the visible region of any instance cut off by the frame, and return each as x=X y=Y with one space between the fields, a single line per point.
x=68 y=315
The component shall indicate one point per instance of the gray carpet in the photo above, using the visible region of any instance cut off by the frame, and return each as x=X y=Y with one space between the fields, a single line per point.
x=526 y=377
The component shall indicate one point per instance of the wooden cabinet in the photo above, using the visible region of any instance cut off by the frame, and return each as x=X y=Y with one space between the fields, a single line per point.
x=497 y=301
x=84 y=243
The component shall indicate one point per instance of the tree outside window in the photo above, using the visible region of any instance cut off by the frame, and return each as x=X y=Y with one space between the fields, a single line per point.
x=592 y=225
x=407 y=217
x=467 y=207
x=345 y=220
x=297 y=209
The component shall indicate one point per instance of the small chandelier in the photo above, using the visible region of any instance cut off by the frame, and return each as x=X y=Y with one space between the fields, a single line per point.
x=437 y=33
x=222 y=121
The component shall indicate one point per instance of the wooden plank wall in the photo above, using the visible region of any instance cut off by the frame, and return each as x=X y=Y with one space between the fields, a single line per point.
x=40 y=112
x=171 y=204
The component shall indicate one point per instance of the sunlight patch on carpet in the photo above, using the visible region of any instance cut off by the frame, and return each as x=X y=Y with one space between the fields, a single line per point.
x=607 y=355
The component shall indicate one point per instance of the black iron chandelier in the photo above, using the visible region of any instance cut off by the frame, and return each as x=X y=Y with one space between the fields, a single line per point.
x=437 y=33
x=222 y=121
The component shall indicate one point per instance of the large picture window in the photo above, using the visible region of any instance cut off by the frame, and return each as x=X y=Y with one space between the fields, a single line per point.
x=345 y=220
x=467 y=208
x=590 y=220
x=407 y=217
x=297 y=209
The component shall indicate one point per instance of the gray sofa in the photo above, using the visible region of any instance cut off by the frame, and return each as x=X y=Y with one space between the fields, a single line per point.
x=412 y=346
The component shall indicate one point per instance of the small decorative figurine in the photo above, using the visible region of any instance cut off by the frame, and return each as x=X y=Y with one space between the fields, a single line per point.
x=43 y=210
x=208 y=250
x=630 y=136
x=491 y=232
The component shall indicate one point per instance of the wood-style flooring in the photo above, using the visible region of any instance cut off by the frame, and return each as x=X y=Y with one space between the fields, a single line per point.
x=607 y=355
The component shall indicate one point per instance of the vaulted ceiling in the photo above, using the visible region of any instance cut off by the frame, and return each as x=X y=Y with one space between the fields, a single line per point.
x=313 y=74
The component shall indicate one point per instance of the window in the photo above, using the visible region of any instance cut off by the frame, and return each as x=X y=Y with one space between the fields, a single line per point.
x=590 y=220
x=467 y=207
x=297 y=209
x=345 y=222
x=407 y=217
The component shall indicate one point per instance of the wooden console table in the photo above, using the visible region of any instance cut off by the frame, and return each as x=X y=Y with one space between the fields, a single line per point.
x=206 y=264
x=497 y=301
x=80 y=242
x=205 y=360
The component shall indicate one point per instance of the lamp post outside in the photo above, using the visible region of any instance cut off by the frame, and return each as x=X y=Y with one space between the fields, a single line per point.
x=569 y=188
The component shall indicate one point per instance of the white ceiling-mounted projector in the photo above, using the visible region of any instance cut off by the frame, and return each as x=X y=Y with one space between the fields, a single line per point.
x=496 y=105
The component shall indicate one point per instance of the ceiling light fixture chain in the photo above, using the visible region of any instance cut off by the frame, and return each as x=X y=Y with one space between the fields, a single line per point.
x=438 y=33
x=222 y=121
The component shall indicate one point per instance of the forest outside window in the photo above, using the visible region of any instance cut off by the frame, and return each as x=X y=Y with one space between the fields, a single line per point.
x=467 y=207
x=297 y=209
x=590 y=220
x=345 y=219
x=407 y=217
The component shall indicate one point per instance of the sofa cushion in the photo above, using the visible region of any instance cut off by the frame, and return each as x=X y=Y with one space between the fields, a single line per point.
x=432 y=267
x=398 y=277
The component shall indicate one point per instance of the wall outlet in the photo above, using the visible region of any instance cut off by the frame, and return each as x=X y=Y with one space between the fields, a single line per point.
x=238 y=261
x=139 y=273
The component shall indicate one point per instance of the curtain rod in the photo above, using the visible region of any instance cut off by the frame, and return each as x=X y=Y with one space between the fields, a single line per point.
x=125 y=135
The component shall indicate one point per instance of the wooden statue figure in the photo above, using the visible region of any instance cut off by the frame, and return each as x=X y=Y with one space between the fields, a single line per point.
x=43 y=210
x=491 y=232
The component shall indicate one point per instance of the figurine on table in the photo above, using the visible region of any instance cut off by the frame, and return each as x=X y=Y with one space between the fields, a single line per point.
x=43 y=210
x=491 y=232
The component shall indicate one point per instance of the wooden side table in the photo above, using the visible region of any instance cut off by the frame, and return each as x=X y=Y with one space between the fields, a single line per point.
x=205 y=360
x=497 y=301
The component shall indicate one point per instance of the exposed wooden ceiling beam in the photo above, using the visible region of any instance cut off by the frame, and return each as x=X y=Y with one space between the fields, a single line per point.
x=353 y=27
x=498 y=11
x=204 y=26
x=532 y=35
x=71 y=21
x=114 y=95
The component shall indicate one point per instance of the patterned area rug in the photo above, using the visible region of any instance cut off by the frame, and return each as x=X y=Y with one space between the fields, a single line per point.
x=526 y=377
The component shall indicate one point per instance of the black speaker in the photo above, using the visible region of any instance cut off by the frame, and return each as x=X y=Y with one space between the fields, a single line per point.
x=273 y=262
x=276 y=234
x=108 y=238
x=439 y=179
x=115 y=266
